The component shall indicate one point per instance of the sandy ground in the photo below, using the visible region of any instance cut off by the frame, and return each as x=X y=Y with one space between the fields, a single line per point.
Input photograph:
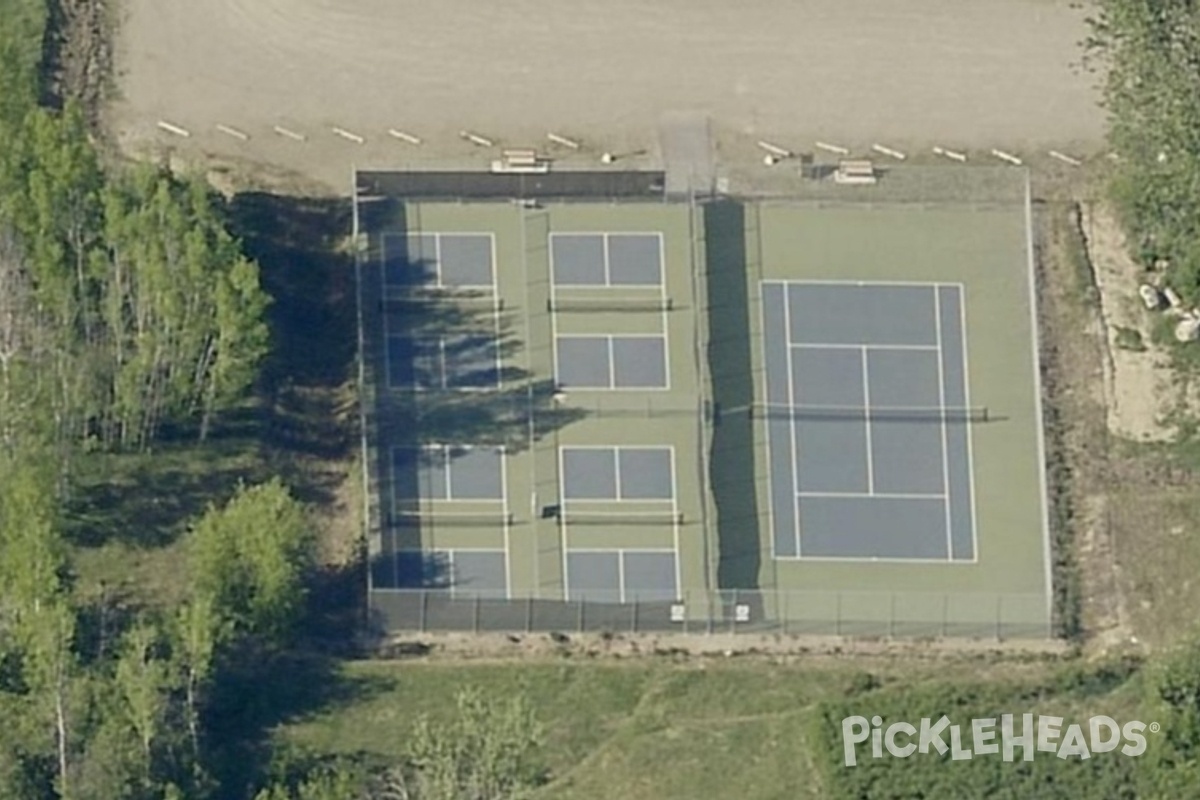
x=979 y=74
x=1141 y=388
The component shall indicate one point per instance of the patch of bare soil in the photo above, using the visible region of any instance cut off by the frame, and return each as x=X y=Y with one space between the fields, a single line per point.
x=775 y=648
x=1123 y=512
x=990 y=73
x=79 y=53
x=1140 y=384
x=1075 y=373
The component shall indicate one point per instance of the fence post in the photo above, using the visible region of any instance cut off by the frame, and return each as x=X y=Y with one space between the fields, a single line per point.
x=529 y=614
x=711 y=616
x=781 y=602
x=579 y=619
x=945 y=614
x=633 y=622
x=424 y=608
x=475 y=615
x=733 y=618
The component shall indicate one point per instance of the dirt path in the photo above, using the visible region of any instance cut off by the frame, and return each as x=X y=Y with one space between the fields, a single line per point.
x=980 y=74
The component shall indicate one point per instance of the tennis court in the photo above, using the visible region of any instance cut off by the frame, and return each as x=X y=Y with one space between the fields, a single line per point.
x=867 y=418
x=780 y=413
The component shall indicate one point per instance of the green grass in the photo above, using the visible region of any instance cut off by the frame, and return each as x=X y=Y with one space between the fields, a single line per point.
x=642 y=730
x=631 y=731
x=128 y=511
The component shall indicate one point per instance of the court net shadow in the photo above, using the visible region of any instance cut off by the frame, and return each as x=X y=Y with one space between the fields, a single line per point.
x=732 y=474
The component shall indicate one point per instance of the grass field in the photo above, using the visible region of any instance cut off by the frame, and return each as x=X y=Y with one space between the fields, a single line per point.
x=655 y=729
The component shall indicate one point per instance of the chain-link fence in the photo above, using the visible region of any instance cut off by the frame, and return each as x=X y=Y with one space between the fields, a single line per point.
x=818 y=613
x=895 y=183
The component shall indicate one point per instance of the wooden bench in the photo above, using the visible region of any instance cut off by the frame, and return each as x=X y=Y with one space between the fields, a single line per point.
x=522 y=160
x=859 y=172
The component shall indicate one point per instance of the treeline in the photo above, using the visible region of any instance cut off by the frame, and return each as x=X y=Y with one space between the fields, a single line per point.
x=124 y=303
x=90 y=713
x=1150 y=52
x=126 y=307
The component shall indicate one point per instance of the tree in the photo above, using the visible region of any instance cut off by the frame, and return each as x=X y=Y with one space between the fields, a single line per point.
x=250 y=560
x=183 y=309
x=1151 y=55
x=196 y=632
x=1172 y=764
x=486 y=751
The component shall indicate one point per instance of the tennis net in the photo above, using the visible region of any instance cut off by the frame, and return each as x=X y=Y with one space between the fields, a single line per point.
x=610 y=304
x=880 y=414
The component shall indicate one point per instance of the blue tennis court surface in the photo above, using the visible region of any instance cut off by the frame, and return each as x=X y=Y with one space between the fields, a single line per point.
x=868 y=421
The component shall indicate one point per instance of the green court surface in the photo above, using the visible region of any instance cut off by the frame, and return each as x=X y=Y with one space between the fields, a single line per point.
x=986 y=251
x=543 y=536
x=575 y=444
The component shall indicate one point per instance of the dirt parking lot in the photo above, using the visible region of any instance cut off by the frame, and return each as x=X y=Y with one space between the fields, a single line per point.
x=984 y=73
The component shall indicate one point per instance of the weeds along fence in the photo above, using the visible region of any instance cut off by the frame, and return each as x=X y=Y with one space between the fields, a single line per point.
x=859 y=614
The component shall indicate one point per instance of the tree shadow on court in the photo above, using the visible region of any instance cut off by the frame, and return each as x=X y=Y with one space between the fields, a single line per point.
x=443 y=362
x=732 y=477
x=442 y=366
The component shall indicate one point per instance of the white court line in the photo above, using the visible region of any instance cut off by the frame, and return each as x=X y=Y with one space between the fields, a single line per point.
x=507 y=523
x=675 y=526
x=873 y=560
x=606 y=258
x=877 y=495
x=612 y=363
x=662 y=283
x=497 y=304
x=836 y=282
x=839 y=346
x=562 y=524
x=610 y=339
x=937 y=317
x=787 y=328
x=620 y=553
x=962 y=309
x=437 y=258
x=603 y=235
x=621 y=574
x=867 y=422
x=444 y=454
x=1035 y=344
x=616 y=454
